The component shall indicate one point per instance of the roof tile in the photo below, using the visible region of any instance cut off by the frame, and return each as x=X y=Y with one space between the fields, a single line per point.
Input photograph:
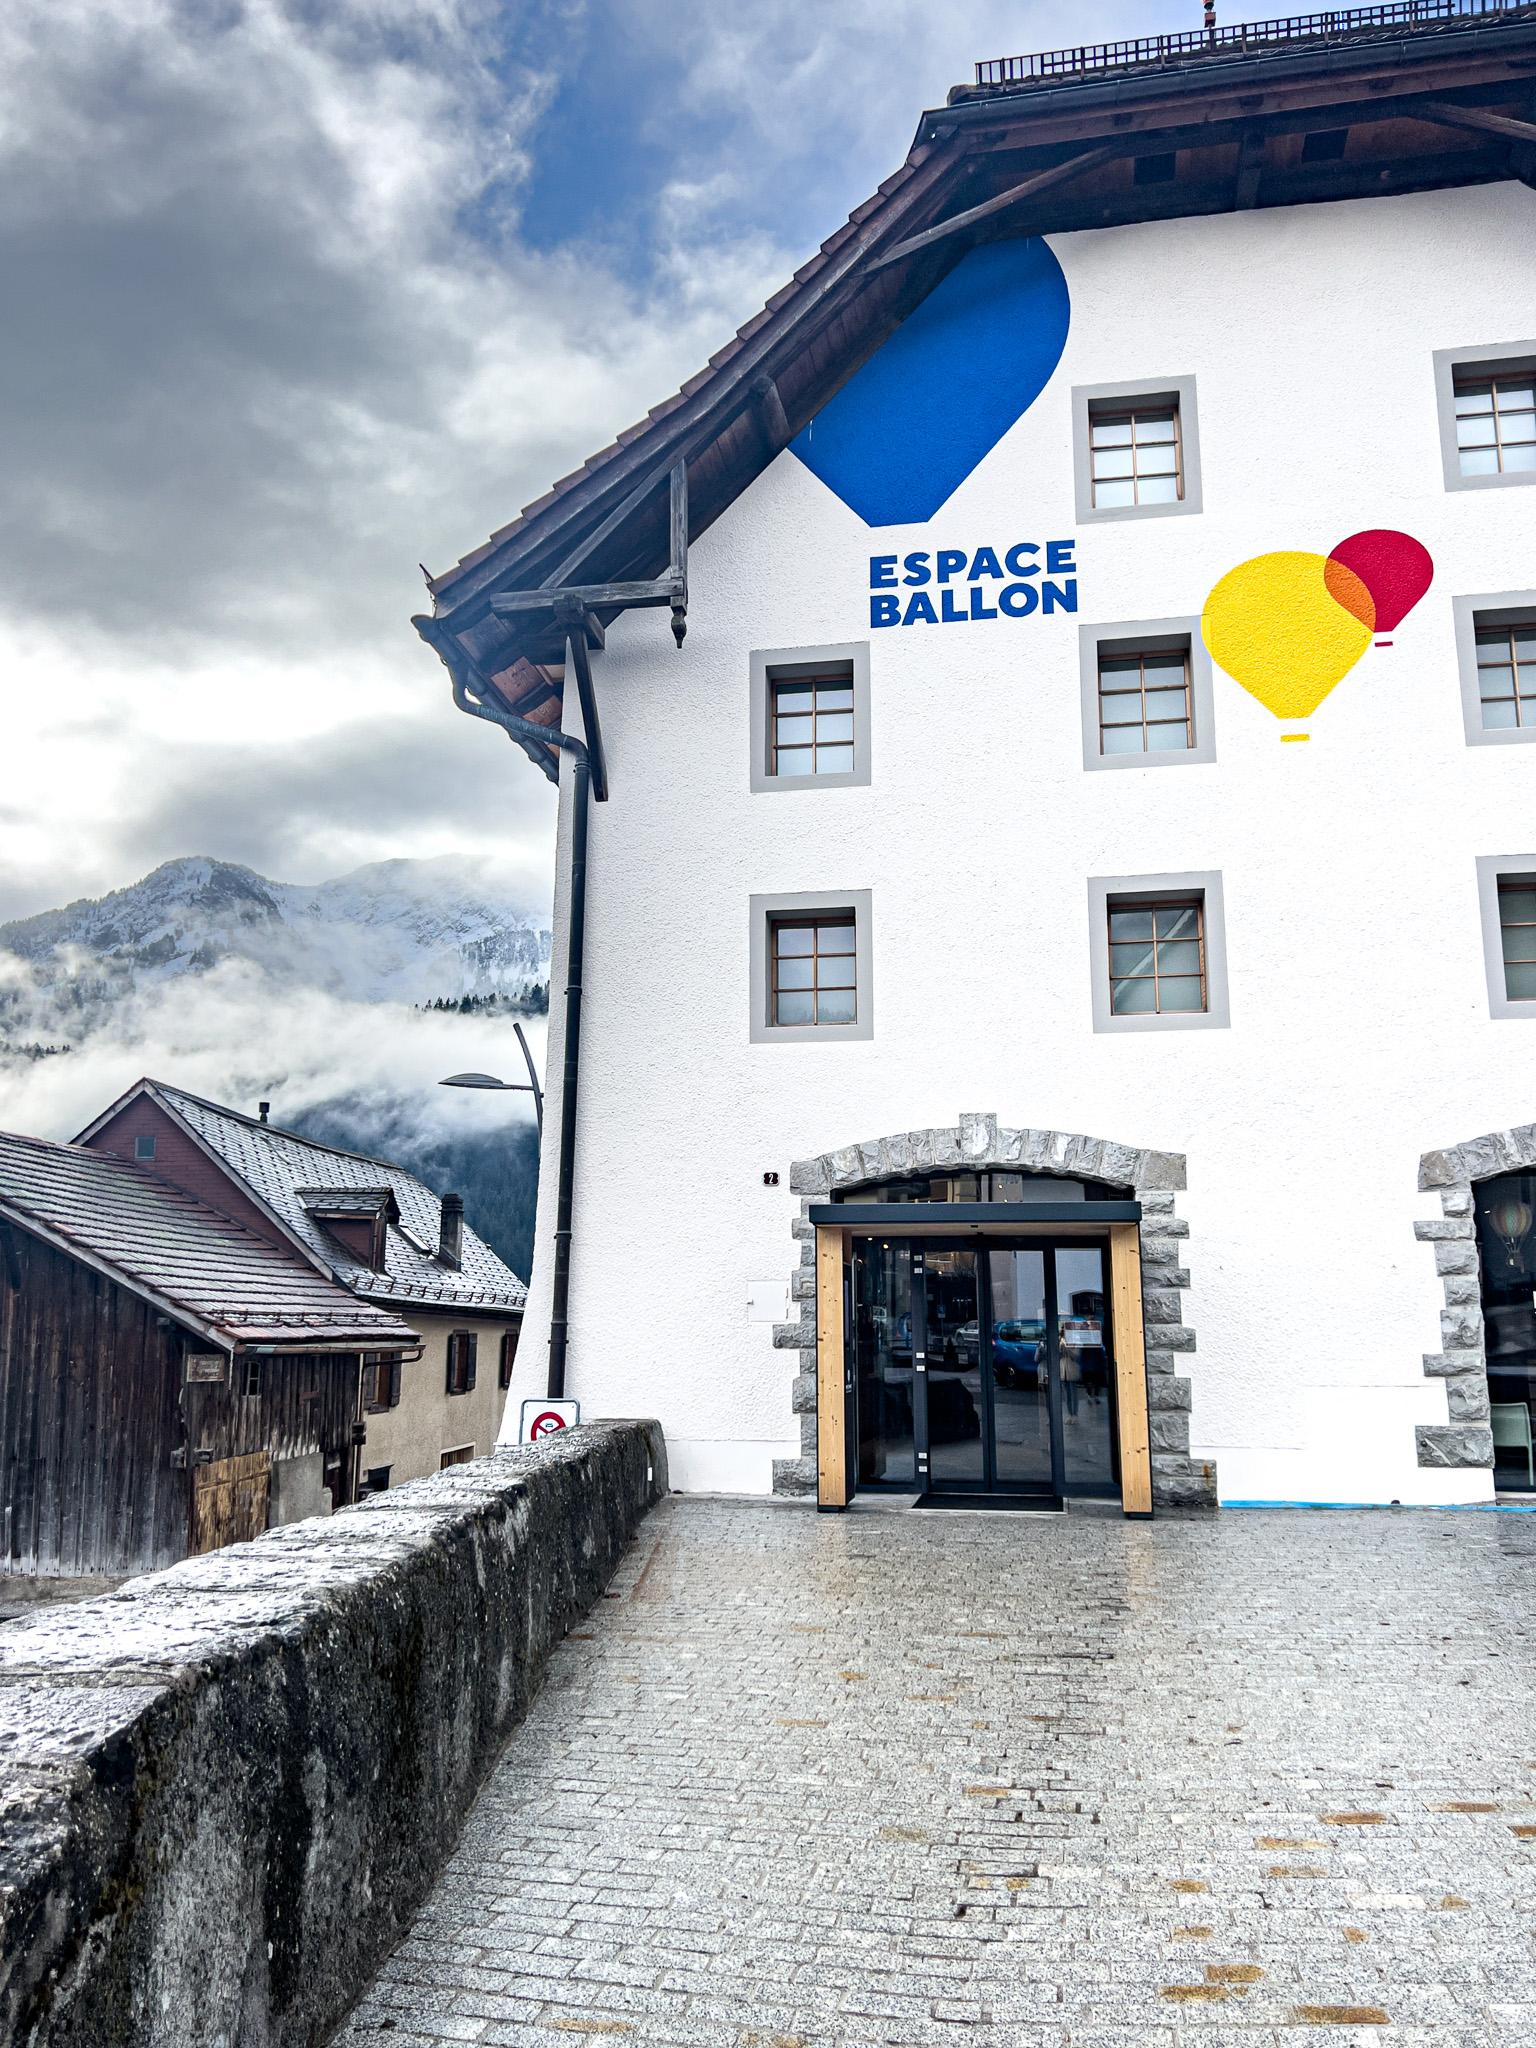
x=278 y=1167
x=157 y=1239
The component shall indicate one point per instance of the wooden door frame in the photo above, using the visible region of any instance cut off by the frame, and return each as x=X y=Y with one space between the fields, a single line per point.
x=833 y=1247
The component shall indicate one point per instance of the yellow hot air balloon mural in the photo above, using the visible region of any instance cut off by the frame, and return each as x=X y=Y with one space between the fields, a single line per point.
x=1290 y=625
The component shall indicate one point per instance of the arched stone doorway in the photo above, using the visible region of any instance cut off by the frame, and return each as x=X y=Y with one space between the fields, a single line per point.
x=1465 y=1439
x=978 y=1142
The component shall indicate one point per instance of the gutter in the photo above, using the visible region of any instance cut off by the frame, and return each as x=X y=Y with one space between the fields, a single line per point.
x=477 y=694
x=1266 y=66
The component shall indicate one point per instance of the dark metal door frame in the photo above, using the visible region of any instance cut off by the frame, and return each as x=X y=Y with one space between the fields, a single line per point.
x=1048 y=1246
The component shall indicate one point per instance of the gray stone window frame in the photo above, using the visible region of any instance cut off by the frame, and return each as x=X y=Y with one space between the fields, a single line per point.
x=978 y=1142
x=1181 y=391
x=1132 y=889
x=782 y=664
x=801 y=903
x=1148 y=636
x=1491 y=869
x=1500 y=608
x=1489 y=358
x=1465 y=1439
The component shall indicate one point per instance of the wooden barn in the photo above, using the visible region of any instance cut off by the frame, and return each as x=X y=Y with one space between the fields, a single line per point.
x=170 y=1381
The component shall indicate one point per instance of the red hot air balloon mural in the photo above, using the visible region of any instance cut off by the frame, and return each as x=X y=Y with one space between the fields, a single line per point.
x=1395 y=568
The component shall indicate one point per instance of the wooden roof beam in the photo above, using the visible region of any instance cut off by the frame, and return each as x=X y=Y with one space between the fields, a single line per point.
x=1053 y=174
x=768 y=409
x=1478 y=117
x=1521 y=133
x=1250 y=167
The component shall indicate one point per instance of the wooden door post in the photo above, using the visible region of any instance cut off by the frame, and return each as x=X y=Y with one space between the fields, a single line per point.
x=831 y=1449
x=1130 y=1369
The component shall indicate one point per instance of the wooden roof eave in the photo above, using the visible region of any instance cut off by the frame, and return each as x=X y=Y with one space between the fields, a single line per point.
x=703 y=409
x=894 y=247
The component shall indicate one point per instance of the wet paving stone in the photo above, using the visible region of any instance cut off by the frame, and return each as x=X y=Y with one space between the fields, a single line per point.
x=887 y=1778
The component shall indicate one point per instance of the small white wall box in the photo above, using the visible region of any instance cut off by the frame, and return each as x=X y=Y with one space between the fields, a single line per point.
x=767 y=1301
x=544 y=1418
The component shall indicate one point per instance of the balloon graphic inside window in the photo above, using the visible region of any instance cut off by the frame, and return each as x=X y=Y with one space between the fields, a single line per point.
x=1511 y=1220
x=1290 y=625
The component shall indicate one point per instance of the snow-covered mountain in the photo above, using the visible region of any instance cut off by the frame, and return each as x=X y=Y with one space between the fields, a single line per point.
x=397 y=931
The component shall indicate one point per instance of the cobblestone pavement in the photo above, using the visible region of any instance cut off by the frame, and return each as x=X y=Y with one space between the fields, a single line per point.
x=1009 y=1783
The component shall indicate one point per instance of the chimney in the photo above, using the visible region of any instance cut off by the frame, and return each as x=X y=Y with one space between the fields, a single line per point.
x=262 y=1110
x=450 y=1242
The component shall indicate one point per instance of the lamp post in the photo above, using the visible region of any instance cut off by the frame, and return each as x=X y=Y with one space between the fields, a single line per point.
x=528 y=1087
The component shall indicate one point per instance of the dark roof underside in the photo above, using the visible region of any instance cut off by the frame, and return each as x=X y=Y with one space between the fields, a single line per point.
x=1418 y=108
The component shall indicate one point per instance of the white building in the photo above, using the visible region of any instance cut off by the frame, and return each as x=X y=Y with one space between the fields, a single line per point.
x=1172 y=1055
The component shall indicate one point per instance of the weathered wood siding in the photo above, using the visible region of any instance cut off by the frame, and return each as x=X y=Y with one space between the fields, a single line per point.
x=88 y=1422
x=304 y=1405
x=98 y=1433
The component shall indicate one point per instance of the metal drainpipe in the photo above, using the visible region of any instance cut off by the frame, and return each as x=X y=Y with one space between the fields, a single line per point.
x=576 y=927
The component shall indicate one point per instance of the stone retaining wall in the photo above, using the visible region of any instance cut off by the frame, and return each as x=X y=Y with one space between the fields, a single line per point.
x=225 y=1788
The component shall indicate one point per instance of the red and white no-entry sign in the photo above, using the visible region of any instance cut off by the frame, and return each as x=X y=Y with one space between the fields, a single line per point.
x=547 y=1418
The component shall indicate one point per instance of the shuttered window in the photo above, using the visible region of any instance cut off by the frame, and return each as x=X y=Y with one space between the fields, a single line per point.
x=461 y=1362
x=381 y=1381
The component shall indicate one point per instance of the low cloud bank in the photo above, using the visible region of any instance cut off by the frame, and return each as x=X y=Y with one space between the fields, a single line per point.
x=361 y=1075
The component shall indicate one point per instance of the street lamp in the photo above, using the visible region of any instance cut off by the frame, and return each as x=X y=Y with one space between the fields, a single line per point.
x=528 y=1087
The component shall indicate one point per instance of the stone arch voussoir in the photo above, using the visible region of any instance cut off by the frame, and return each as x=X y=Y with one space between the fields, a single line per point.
x=1155 y=1178
x=1466 y=1439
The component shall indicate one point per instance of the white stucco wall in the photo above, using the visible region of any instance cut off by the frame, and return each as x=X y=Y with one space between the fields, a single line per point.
x=1360 y=1033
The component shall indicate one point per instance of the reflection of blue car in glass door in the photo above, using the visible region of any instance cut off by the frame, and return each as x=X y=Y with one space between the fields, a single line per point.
x=1016 y=1353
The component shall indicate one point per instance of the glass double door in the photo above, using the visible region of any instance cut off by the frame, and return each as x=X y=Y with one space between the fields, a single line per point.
x=981 y=1369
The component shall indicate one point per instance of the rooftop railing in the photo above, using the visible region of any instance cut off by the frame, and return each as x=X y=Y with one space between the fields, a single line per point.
x=1340 y=25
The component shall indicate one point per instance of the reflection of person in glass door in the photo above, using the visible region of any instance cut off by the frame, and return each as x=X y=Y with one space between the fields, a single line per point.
x=1071 y=1373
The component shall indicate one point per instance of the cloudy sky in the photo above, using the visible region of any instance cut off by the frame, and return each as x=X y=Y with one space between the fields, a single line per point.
x=301 y=293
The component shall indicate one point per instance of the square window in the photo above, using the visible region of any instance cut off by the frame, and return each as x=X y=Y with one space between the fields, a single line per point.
x=1158 y=707
x=1517 y=933
x=1496 y=655
x=1137 y=442
x=810 y=718
x=812 y=968
x=1506 y=888
x=1163 y=972
x=1136 y=450
x=1487 y=406
x=1147 y=695
x=810 y=976
x=1158 y=953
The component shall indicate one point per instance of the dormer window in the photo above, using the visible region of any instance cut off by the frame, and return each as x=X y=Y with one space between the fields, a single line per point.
x=356 y=1220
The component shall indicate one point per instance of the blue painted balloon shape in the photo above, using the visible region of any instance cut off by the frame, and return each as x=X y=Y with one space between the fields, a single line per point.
x=908 y=428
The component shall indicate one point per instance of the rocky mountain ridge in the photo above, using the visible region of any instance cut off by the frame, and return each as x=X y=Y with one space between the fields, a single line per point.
x=395 y=931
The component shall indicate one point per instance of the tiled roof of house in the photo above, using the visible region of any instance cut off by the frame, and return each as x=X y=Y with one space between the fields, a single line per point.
x=227 y=1282
x=285 y=1172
